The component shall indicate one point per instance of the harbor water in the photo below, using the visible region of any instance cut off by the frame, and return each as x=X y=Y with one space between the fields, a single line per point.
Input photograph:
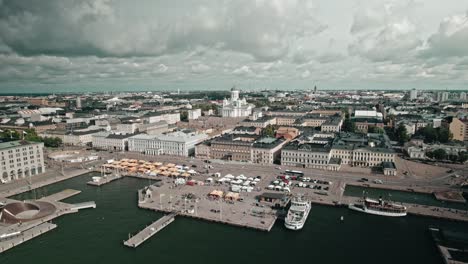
x=97 y=235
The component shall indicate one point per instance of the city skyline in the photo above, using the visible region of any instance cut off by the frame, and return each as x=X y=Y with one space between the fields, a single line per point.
x=92 y=46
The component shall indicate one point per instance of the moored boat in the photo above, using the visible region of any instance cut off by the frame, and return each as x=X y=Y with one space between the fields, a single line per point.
x=379 y=207
x=298 y=213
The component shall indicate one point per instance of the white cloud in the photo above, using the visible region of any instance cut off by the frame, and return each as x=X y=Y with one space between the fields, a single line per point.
x=200 y=68
x=305 y=74
x=451 y=39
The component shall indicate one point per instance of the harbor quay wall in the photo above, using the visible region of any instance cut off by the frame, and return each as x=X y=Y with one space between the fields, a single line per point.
x=210 y=219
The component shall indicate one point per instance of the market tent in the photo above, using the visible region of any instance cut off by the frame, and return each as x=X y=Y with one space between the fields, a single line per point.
x=232 y=196
x=216 y=194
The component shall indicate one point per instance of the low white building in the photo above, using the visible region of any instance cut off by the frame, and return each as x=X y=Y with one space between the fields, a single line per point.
x=368 y=114
x=170 y=118
x=194 y=114
x=176 y=143
x=21 y=159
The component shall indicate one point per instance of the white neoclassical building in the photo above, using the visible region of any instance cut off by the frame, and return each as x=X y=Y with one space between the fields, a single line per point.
x=236 y=107
x=21 y=159
x=176 y=143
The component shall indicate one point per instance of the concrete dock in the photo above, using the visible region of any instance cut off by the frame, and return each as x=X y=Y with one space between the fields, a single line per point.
x=84 y=205
x=150 y=230
x=26 y=235
x=104 y=180
x=61 y=195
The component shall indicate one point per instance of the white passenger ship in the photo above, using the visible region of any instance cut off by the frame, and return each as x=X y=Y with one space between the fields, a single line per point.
x=379 y=207
x=298 y=213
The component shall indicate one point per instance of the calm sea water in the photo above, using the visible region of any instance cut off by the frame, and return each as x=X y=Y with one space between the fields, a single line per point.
x=96 y=235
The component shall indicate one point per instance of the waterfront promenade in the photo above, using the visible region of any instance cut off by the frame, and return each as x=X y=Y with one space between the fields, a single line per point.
x=37 y=181
x=26 y=235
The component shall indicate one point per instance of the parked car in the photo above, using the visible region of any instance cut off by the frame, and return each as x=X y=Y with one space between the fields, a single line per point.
x=377 y=181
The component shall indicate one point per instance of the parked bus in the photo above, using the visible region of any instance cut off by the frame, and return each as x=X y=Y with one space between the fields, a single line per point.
x=298 y=174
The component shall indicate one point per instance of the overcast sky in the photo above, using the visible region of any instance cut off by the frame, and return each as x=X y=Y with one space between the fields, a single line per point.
x=62 y=45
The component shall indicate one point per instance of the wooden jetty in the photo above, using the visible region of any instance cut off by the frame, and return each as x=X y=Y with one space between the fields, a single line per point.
x=150 y=230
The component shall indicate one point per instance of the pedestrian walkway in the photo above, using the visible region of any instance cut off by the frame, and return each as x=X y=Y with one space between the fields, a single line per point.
x=150 y=230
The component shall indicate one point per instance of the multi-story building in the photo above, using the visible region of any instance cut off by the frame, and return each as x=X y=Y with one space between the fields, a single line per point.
x=306 y=155
x=203 y=150
x=233 y=147
x=260 y=122
x=462 y=96
x=333 y=124
x=442 y=96
x=111 y=141
x=127 y=127
x=362 y=150
x=328 y=112
x=312 y=120
x=80 y=138
x=154 y=128
x=20 y=159
x=286 y=120
x=413 y=94
x=170 y=118
x=363 y=124
x=42 y=126
x=267 y=150
x=176 y=143
x=459 y=129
